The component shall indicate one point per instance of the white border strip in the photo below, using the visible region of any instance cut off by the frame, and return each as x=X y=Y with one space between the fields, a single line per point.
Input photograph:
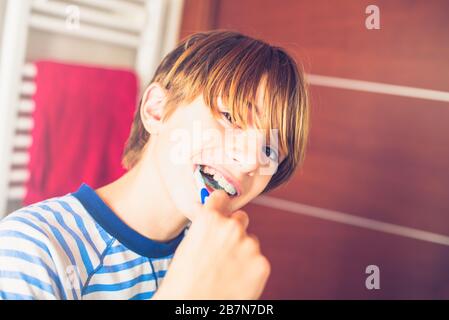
x=376 y=87
x=349 y=219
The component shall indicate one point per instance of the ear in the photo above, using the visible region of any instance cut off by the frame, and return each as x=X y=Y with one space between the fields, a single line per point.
x=153 y=105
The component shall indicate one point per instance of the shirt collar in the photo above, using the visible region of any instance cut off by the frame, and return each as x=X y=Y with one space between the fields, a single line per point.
x=110 y=222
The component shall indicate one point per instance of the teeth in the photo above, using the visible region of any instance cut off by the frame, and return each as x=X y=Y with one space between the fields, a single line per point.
x=209 y=170
x=229 y=188
x=224 y=184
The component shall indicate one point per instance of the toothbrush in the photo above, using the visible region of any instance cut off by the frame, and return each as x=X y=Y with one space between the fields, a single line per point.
x=201 y=185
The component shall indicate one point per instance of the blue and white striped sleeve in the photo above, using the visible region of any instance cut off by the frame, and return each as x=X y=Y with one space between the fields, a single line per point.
x=27 y=269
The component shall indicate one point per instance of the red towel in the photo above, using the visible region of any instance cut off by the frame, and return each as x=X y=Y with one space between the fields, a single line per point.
x=82 y=119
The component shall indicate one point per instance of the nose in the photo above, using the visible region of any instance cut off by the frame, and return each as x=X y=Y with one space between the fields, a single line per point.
x=244 y=150
x=246 y=166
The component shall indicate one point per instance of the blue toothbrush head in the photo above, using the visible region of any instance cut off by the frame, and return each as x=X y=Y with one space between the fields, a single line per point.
x=204 y=193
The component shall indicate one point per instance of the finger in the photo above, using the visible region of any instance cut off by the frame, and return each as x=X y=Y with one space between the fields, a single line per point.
x=218 y=201
x=242 y=217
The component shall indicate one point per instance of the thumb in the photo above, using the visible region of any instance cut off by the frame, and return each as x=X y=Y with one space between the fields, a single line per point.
x=218 y=201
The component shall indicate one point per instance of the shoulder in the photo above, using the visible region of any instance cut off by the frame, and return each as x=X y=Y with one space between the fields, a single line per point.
x=48 y=221
x=29 y=255
x=60 y=221
x=27 y=228
x=57 y=233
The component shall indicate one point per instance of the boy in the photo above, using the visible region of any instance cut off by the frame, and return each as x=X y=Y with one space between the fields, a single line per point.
x=118 y=241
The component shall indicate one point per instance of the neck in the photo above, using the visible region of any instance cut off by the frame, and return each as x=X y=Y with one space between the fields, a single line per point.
x=138 y=199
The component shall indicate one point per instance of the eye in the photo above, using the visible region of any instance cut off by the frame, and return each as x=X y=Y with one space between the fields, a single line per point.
x=271 y=153
x=228 y=116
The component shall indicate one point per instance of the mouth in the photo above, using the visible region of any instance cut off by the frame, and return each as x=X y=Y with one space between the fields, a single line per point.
x=215 y=180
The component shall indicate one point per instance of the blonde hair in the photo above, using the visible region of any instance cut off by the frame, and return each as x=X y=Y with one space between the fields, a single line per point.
x=233 y=66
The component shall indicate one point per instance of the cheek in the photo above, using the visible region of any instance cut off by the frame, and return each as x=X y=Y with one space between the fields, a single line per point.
x=261 y=182
x=175 y=167
x=178 y=181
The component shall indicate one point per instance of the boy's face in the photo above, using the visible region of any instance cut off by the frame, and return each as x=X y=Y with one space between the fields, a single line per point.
x=237 y=161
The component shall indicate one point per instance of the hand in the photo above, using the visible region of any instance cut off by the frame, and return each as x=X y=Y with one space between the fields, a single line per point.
x=217 y=259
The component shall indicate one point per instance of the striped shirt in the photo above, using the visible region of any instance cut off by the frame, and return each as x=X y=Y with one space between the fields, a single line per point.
x=75 y=247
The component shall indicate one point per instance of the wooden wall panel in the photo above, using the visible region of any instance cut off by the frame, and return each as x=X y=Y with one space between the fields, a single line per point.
x=377 y=156
x=198 y=15
x=371 y=155
x=317 y=259
x=411 y=48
